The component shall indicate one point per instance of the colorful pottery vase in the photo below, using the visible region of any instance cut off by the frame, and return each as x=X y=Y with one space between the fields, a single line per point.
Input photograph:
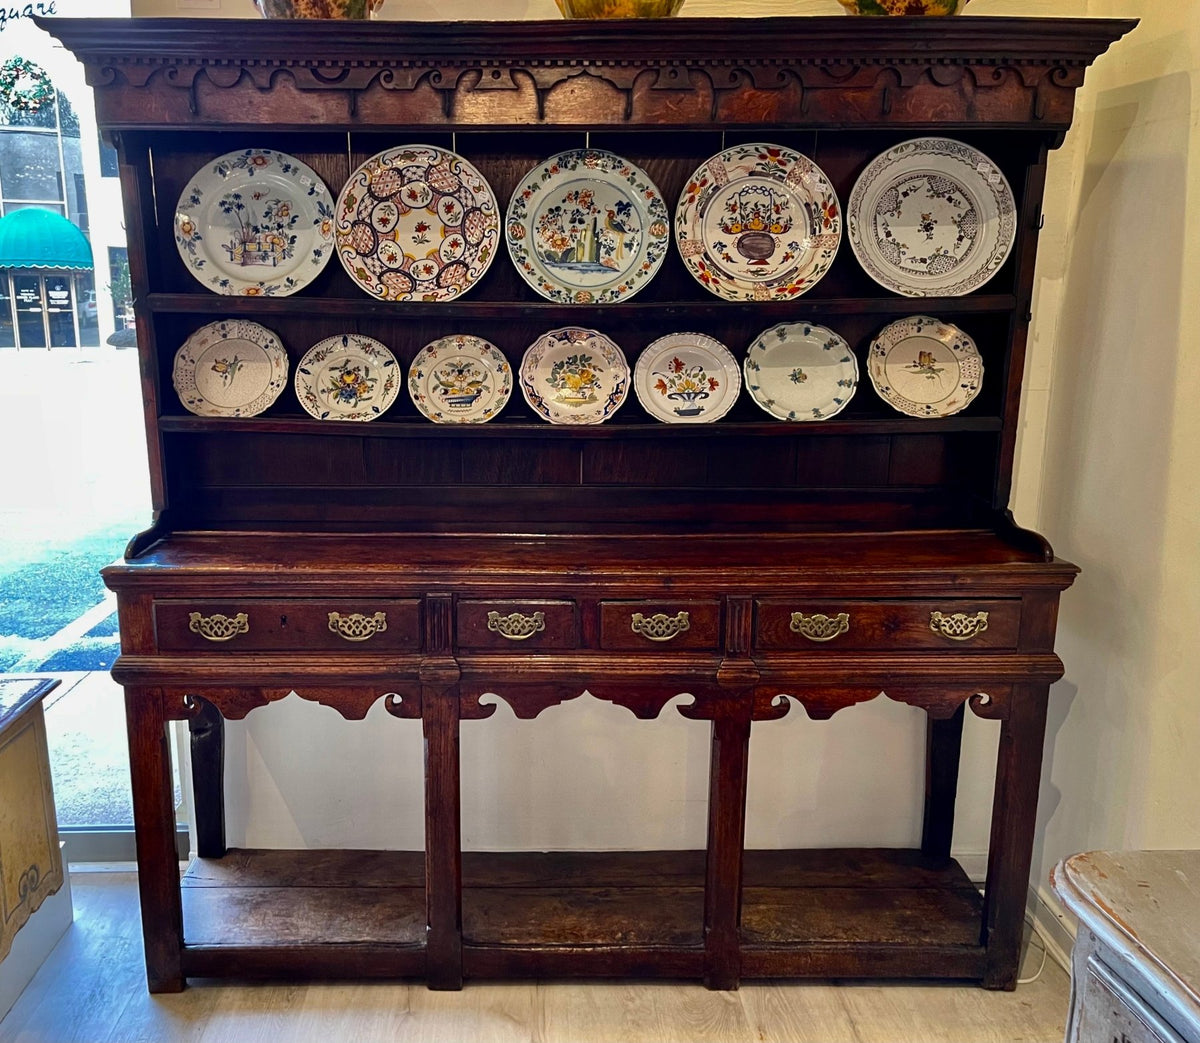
x=317 y=8
x=619 y=8
x=903 y=7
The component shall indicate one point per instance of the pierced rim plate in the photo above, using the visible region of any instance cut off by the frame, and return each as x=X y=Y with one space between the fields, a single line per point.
x=347 y=377
x=932 y=217
x=574 y=376
x=758 y=223
x=460 y=380
x=924 y=367
x=416 y=223
x=801 y=371
x=256 y=222
x=587 y=227
x=230 y=368
x=686 y=378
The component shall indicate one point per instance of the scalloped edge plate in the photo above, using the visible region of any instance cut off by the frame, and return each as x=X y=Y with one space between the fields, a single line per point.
x=687 y=378
x=908 y=363
x=801 y=371
x=229 y=385
x=563 y=383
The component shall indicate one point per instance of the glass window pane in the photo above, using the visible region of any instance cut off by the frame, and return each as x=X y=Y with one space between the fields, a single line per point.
x=8 y=335
x=89 y=310
x=60 y=310
x=29 y=166
x=30 y=319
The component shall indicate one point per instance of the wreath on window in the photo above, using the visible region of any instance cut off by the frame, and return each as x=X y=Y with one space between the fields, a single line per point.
x=24 y=85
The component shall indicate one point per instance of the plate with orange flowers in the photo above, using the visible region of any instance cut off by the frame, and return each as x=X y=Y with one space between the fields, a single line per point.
x=758 y=223
x=686 y=378
x=255 y=223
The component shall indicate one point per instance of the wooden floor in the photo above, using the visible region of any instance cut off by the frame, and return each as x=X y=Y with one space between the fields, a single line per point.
x=92 y=990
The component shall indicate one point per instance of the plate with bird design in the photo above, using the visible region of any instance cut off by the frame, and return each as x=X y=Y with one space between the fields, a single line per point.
x=924 y=367
x=230 y=368
x=758 y=223
x=574 y=376
x=460 y=379
x=801 y=371
x=347 y=377
x=932 y=217
x=587 y=227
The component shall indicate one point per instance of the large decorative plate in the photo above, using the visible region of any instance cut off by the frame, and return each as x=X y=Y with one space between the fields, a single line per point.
x=417 y=223
x=801 y=371
x=347 y=377
x=230 y=368
x=460 y=380
x=932 y=217
x=255 y=222
x=574 y=376
x=758 y=223
x=923 y=367
x=686 y=378
x=587 y=227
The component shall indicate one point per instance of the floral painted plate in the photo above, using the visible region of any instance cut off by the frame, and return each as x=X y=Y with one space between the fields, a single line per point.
x=574 y=376
x=347 y=377
x=255 y=222
x=460 y=380
x=758 y=223
x=932 y=217
x=686 y=378
x=416 y=223
x=230 y=368
x=923 y=367
x=801 y=371
x=587 y=227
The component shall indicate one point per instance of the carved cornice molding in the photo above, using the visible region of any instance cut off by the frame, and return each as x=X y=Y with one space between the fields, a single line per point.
x=804 y=70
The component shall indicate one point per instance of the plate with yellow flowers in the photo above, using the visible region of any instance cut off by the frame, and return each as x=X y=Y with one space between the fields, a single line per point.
x=230 y=368
x=574 y=376
x=255 y=223
x=347 y=377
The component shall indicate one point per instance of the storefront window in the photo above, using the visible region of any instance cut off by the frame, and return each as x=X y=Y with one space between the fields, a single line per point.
x=29 y=167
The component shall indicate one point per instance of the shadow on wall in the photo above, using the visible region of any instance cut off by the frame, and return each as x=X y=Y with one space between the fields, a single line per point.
x=1108 y=445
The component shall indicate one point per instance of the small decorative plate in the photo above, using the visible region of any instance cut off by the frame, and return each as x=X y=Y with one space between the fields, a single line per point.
x=801 y=371
x=932 y=217
x=758 y=223
x=923 y=367
x=686 y=378
x=574 y=376
x=255 y=222
x=416 y=223
x=460 y=380
x=587 y=227
x=347 y=377
x=230 y=368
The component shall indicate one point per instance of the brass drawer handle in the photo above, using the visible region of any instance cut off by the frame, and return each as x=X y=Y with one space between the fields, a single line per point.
x=515 y=626
x=818 y=626
x=660 y=626
x=959 y=626
x=356 y=626
x=218 y=627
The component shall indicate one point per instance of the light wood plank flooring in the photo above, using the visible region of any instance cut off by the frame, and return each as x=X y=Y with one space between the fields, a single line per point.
x=92 y=990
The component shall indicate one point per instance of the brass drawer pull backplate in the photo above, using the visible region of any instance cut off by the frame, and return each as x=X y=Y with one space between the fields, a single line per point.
x=660 y=626
x=356 y=626
x=218 y=627
x=818 y=626
x=958 y=626
x=515 y=626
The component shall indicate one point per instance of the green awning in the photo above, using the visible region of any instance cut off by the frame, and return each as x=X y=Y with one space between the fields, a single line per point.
x=36 y=238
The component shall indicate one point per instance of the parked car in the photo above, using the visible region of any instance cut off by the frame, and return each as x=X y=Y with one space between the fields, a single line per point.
x=87 y=313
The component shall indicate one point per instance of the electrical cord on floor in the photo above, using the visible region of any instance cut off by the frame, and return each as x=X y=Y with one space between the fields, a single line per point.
x=1041 y=966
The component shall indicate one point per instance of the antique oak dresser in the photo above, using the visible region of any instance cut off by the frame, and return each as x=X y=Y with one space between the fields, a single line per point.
x=750 y=563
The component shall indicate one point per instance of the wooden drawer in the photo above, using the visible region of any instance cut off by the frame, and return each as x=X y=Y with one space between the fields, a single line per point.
x=297 y=625
x=801 y=624
x=517 y=625
x=1107 y=1008
x=660 y=624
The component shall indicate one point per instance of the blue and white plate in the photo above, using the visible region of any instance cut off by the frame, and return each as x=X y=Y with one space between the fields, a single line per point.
x=801 y=371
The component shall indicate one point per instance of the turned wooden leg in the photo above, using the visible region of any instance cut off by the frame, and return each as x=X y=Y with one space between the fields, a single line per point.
x=943 y=748
x=154 y=813
x=207 y=729
x=1014 y=813
x=726 y=833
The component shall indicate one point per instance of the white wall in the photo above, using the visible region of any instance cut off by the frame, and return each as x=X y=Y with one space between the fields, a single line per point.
x=1107 y=466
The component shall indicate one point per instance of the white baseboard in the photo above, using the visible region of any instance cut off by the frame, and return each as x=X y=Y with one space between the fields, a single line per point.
x=1057 y=928
x=33 y=943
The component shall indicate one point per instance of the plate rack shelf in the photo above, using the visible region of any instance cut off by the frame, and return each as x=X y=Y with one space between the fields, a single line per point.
x=427 y=565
